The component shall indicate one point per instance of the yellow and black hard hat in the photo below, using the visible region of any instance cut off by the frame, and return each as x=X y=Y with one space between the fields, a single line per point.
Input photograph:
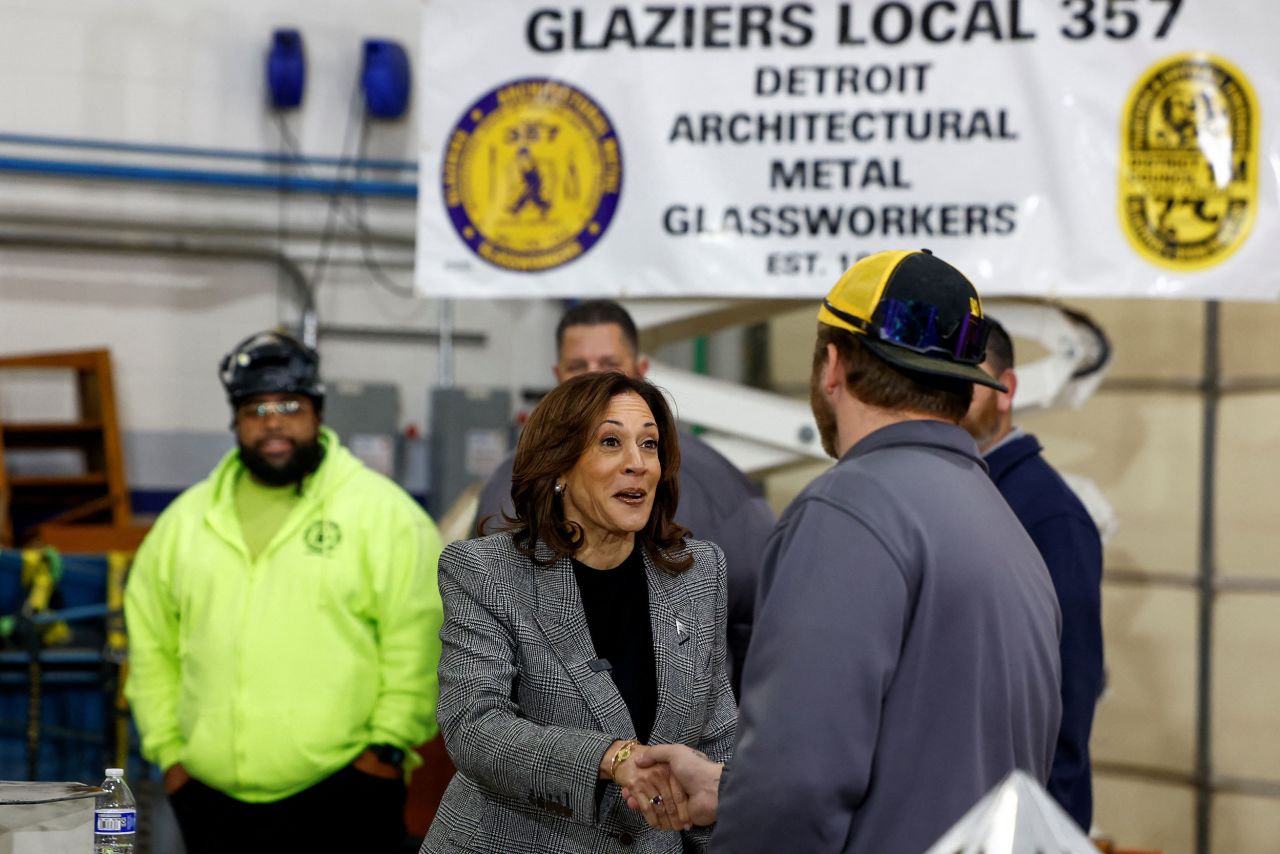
x=916 y=312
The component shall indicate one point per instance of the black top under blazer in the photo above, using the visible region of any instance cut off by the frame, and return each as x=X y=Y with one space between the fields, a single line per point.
x=526 y=719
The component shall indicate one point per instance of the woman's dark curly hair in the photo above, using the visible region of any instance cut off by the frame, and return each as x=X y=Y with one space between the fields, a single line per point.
x=556 y=436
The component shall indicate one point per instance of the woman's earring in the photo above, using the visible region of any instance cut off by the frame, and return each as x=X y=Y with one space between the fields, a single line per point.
x=558 y=489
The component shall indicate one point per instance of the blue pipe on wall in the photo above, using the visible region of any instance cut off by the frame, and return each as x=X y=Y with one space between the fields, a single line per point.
x=57 y=677
x=218 y=153
x=233 y=180
x=54 y=656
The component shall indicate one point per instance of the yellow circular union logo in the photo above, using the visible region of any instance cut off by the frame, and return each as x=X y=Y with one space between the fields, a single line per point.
x=531 y=174
x=1189 y=162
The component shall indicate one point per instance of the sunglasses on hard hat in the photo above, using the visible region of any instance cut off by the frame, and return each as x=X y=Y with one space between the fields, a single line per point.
x=915 y=326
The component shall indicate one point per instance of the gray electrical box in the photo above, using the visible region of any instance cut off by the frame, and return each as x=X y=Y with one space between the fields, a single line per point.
x=366 y=416
x=471 y=432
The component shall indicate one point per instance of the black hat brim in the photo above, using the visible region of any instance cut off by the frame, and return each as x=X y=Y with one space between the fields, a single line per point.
x=919 y=363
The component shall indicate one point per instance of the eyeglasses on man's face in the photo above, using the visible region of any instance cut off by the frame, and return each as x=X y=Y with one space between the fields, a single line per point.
x=291 y=408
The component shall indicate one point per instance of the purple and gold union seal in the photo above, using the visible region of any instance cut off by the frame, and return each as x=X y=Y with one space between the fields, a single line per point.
x=531 y=175
x=1189 y=162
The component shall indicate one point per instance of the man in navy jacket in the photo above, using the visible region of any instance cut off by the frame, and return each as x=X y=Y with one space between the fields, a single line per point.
x=1068 y=541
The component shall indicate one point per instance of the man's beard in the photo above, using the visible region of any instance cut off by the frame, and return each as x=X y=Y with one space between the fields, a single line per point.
x=982 y=423
x=303 y=461
x=825 y=416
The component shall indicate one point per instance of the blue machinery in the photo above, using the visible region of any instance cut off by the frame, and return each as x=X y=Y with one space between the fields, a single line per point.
x=62 y=665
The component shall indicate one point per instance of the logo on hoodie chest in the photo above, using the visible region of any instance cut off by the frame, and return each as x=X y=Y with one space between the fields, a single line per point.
x=322 y=537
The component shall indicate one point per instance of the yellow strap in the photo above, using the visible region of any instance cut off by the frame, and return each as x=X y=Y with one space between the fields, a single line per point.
x=37 y=578
x=117 y=645
x=117 y=569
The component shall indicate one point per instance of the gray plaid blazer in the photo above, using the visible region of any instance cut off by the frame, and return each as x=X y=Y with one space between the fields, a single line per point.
x=526 y=719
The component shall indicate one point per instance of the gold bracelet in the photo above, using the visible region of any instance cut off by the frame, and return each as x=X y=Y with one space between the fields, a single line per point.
x=623 y=754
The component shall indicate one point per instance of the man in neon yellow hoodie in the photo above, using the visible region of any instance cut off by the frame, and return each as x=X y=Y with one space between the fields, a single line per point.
x=284 y=629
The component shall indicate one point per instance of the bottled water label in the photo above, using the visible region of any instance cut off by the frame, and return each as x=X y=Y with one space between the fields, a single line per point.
x=113 y=822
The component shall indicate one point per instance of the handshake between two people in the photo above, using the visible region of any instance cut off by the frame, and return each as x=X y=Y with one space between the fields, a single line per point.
x=674 y=786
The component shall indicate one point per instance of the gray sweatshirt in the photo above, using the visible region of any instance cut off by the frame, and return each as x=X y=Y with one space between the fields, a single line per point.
x=904 y=658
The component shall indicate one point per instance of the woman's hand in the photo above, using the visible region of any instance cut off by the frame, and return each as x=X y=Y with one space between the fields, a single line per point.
x=657 y=793
x=694 y=772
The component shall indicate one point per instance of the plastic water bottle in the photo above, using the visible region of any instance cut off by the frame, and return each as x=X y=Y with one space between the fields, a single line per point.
x=115 y=817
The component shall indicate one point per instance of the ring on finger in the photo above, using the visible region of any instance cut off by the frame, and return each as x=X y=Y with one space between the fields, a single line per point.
x=656 y=800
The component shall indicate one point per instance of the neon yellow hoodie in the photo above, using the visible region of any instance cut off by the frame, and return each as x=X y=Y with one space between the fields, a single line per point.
x=263 y=677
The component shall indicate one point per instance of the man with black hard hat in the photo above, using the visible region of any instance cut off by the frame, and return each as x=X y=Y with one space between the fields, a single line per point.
x=905 y=654
x=273 y=372
x=284 y=627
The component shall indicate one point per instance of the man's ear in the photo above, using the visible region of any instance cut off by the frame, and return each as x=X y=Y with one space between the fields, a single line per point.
x=1004 y=399
x=642 y=366
x=832 y=377
x=555 y=369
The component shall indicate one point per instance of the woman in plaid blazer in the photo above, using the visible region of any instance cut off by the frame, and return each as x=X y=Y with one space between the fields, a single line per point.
x=590 y=618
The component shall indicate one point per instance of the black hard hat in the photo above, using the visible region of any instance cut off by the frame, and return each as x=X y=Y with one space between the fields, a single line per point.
x=271 y=363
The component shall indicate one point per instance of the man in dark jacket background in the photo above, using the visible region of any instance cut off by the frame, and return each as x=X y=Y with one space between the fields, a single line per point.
x=1068 y=541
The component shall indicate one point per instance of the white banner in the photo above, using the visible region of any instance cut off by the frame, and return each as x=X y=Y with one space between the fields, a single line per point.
x=755 y=149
